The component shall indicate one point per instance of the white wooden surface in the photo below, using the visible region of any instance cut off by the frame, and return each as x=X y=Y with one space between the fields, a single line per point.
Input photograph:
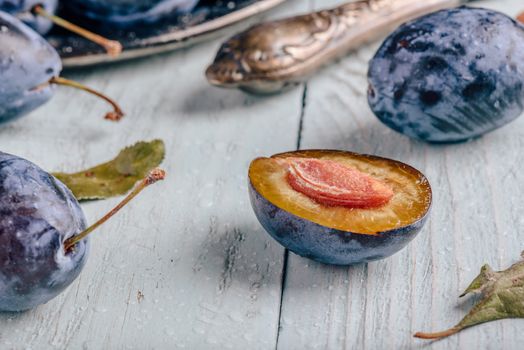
x=209 y=275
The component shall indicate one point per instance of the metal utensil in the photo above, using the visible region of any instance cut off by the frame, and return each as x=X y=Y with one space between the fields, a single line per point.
x=273 y=56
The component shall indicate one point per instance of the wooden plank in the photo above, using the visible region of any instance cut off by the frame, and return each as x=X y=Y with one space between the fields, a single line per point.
x=475 y=219
x=209 y=275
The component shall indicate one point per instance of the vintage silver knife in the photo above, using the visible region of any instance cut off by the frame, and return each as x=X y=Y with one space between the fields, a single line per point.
x=272 y=56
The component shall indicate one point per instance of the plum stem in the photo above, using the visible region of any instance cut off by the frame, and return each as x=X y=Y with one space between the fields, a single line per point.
x=438 y=335
x=115 y=115
x=154 y=175
x=113 y=47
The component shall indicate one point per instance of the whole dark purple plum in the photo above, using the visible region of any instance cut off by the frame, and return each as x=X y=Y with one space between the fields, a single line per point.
x=38 y=214
x=125 y=13
x=27 y=63
x=44 y=239
x=23 y=10
x=314 y=207
x=449 y=76
x=29 y=71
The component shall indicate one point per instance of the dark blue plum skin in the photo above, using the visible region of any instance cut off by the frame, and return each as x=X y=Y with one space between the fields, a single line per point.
x=26 y=62
x=126 y=13
x=449 y=76
x=38 y=213
x=22 y=9
x=327 y=245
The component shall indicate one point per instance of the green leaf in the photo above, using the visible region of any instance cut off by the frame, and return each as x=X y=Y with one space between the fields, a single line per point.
x=486 y=274
x=117 y=176
x=502 y=297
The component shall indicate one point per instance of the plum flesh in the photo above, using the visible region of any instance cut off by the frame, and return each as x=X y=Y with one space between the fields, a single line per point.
x=38 y=214
x=339 y=235
x=449 y=76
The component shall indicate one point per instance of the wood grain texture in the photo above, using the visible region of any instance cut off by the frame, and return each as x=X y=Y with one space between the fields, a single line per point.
x=188 y=266
x=476 y=189
x=191 y=246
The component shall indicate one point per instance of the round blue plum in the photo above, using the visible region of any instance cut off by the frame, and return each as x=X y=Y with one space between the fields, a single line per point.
x=27 y=63
x=449 y=76
x=328 y=245
x=23 y=10
x=125 y=13
x=38 y=214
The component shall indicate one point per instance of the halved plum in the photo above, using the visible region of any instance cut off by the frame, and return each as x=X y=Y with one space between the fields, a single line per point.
x=339 y=207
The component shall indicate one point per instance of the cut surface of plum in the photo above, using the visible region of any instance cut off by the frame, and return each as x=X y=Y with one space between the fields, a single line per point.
x=401 y=194
x=334 y=184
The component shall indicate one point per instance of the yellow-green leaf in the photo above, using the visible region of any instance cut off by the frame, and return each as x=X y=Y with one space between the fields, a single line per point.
x=117 y=176
x=502 y=297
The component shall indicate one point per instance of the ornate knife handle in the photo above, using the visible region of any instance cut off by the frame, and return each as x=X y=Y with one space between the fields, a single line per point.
x=273 y=56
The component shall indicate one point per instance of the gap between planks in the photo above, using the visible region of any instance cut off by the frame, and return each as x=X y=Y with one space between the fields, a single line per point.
x=286 y=251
